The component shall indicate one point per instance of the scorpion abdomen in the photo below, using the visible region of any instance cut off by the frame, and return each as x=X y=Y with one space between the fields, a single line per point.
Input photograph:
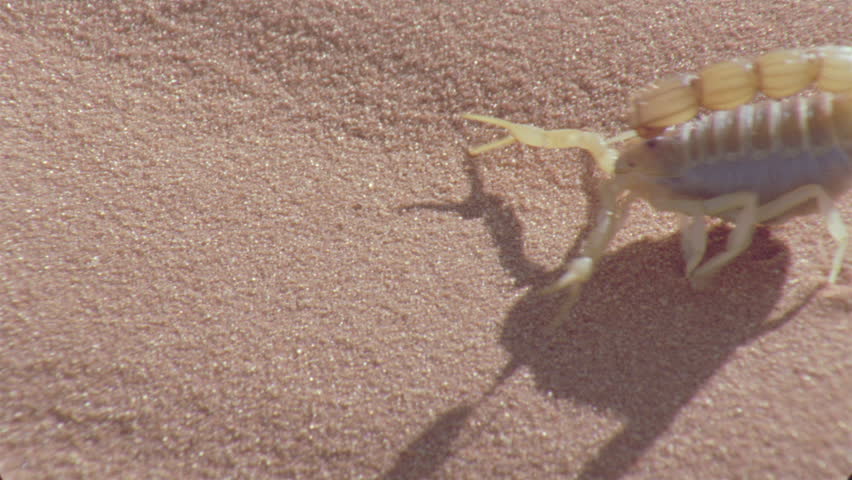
x=769 y=148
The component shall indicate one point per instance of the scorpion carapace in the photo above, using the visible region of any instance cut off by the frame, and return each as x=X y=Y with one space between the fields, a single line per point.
x=748 y=164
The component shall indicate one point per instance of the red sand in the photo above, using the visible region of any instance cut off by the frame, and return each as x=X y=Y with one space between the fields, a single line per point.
x=243 y=240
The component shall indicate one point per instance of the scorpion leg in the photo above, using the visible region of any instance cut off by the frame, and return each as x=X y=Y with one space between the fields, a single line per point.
x=833 y=220
x=740 y=237
x=693 y=240
x=581 y=268
x=609 y=219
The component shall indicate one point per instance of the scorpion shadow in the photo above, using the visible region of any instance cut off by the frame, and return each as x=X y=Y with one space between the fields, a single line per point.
x=624 y=348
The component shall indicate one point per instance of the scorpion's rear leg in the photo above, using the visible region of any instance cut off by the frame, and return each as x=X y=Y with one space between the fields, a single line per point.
x=833 y=220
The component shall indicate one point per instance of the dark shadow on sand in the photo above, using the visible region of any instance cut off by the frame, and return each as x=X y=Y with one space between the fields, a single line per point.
x=626 y=348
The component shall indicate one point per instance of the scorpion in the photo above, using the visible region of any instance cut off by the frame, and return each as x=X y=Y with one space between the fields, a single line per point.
x=745 y=163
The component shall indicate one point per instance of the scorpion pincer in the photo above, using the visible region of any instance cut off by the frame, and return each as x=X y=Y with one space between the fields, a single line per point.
x=748 y=164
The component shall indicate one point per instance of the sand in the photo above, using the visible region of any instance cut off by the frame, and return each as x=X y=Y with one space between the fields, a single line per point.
x=242 y=239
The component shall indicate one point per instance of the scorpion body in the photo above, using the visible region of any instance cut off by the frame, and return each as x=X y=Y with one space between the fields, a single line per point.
x=770 y=148
x=748 y=164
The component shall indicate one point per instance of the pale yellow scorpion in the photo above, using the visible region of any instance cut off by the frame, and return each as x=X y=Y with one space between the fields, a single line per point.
x=747 y=164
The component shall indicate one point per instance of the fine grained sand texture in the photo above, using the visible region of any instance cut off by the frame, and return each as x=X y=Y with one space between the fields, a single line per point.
x=242 y=239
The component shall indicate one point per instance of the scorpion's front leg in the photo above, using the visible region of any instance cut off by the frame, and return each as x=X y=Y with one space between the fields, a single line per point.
x=580 y=270
x=694 y=230
x=746 y=204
